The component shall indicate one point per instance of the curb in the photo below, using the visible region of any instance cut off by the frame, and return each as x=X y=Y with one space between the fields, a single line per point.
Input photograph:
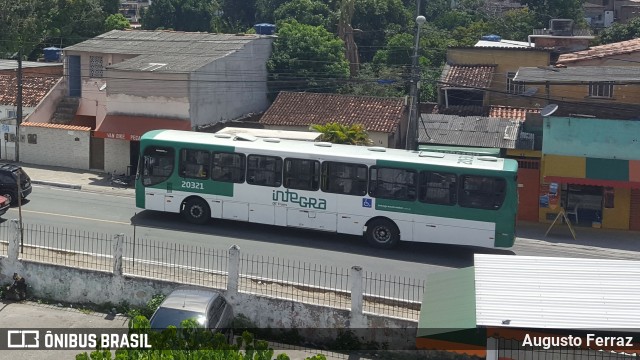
x=57 y=184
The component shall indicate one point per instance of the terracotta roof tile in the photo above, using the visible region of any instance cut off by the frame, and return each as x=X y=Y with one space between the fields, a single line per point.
x=303 y=109
x=508 y=112
x=596 y=52
x=34 y=89
x=474 y=76
x=56 y=126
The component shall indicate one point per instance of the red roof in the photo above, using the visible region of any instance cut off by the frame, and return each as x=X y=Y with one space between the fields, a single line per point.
x=601 y=51
x=34 y=89
x=472 y=76
x=130 y=127
x=511 y=112
x=304 y=109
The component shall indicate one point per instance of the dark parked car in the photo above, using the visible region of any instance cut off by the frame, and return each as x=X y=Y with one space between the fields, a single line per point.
x=4 y=205
x=208 y=307
x=9 y=174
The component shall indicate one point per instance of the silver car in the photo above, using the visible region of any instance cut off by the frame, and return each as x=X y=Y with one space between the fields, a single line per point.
x=208 y=307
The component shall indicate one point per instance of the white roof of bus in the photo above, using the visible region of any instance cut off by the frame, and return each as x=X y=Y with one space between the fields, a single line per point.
x=313 y=150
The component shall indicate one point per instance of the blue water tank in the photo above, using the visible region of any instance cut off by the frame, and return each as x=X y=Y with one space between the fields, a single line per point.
x=52 y=54
x=265 y=29
x=495 y=38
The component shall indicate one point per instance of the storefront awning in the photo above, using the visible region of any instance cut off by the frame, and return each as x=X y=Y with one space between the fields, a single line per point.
x=127 y=127
x=593 y=182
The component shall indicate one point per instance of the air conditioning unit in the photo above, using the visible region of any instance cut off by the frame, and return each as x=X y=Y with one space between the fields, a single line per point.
x=561 y=27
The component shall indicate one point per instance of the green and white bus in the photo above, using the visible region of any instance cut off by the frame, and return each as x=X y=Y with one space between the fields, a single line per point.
x=387 y=195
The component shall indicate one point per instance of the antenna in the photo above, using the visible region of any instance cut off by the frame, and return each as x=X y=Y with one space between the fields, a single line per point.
x=548 y=110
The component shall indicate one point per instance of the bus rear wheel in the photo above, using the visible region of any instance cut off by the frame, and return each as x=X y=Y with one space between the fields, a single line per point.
x=196 y=211
x=382 y=233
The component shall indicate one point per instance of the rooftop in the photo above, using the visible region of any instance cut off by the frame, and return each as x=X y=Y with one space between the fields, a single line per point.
x=472 y=76
x=578 y=74
x=13 y=64
x=509 y=112
x=170 y=51
x=34 y=89
x=504 y=44
x=601 y=51
x=304 y=109
x=469 y=131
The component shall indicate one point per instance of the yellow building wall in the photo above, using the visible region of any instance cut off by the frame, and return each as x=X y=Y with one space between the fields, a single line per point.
x=507 y=60
x=618 y=216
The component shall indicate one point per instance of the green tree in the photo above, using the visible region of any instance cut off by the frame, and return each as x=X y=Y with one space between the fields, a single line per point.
x=110 y=7
x=265 y=10
x=333 y=132
x=545 y=10
x=160 y=14
x=306 y=58
x=88 y=21
x=516 y=24
x=620 y=32
x=238 y=14
x=376 y=19
x=377 y=80
x=116 y=22
x=23 y=25
x=181 y=15
x=310 y=12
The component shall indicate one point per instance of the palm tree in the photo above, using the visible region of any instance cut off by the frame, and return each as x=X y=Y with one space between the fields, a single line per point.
x=333 y=132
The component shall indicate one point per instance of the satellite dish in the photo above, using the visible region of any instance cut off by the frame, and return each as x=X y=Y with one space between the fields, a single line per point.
x=548 y=110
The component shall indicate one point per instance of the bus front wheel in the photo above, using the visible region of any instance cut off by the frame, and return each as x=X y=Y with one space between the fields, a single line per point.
x=382 y=233
x=196 y=211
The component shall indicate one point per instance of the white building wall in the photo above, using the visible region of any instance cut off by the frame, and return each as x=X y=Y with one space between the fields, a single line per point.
x=116 y=156
x=44 y=110
x=56 y=147
x=231 y=86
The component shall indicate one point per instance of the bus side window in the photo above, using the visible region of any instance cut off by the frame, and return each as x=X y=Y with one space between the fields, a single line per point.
x=264 y=170
x=301 y=174
x=344 y=178
x=228 y=167
x=438 y=188
x=157 y=165
x=194 y=164
x=482 y=192
x=393 y=183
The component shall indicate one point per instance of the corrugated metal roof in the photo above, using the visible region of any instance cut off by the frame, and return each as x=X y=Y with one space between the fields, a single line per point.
x=180 y=51
x=13 y=64
x=56 y=126
x=558 y=293
x=578 y=74
x=469 y=131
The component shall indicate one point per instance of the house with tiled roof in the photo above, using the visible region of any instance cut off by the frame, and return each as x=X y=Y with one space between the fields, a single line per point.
x=41 y=83
x=622 y=53
x=125 y=83
x=385 y=119
x=483 y=75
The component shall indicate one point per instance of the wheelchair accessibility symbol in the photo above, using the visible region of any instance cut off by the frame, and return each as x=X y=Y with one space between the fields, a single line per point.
x=367 y=203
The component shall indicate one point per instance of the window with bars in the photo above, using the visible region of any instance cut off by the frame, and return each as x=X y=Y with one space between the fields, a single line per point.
x=95 y=66
x=514 y=87
x=601 y=89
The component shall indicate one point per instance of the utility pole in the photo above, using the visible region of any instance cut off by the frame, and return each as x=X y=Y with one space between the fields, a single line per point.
x=412 y=127
x=19 y=107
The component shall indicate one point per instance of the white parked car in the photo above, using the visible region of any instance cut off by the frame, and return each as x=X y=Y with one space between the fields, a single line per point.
x=208 y=307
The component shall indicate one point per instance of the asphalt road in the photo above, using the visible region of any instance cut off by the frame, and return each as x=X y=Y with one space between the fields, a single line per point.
x=108 y=215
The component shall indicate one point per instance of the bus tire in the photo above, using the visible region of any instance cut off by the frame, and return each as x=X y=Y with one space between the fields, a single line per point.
x=382 y=233
x=197 y=211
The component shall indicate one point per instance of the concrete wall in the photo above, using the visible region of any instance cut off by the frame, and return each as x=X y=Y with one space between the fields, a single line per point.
x=231 y=86
x=45 y=109
x=75 y=285
x=116 y=155
x=598 y=138
x=57 y=147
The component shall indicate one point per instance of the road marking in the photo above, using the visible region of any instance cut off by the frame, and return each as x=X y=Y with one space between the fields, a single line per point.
x=74 y=217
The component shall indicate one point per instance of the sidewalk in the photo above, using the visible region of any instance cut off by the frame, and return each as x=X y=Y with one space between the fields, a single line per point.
x=527 y=231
